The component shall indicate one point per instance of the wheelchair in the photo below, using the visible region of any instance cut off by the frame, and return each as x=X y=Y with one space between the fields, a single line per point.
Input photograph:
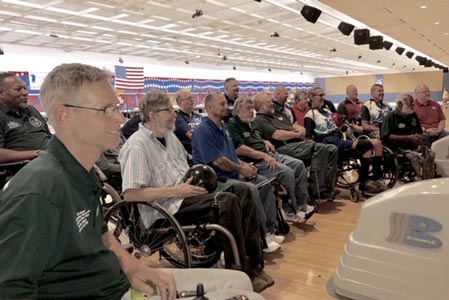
x=181 y=246
x=349 y=167
x=8 y=170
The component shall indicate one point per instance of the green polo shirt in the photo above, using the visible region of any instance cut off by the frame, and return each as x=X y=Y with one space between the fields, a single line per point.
x=268 y=124
x=397 y=124
x=51 y=233
x=244 y=134
x=27 y=130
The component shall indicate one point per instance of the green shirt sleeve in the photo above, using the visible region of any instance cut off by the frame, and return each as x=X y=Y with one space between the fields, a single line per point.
x=29 y=229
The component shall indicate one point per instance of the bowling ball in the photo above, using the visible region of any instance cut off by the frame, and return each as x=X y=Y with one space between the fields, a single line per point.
x=203 y=176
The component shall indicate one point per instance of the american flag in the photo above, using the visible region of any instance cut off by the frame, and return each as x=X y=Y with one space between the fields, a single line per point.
x=129 y=78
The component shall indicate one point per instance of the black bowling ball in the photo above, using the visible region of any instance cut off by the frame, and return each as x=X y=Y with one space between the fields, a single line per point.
x=203 y=176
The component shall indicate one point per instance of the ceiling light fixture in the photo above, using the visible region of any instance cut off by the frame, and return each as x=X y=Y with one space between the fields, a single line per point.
x=333 y=50
x=269 y=70
x=224 y=57
x=187 y=62
x=234 y=68
x=2 y=52
x=120 y=59
x=197 y=13
x=275 y=34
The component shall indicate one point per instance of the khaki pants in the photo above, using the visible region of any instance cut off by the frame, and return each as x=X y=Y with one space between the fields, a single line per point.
x=219 y=284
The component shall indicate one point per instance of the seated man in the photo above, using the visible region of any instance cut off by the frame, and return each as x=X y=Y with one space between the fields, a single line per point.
x=186 y=119
x=290 y=141
x=23 y=131
x=401 y=128
x=281 y=107
x=350 y=109
x=153 y=164
x=374 y=111
x=131 y=126
x=212 y=145
x=55 y=243
x=430 y=115
x=322 y=128
x=250 y=147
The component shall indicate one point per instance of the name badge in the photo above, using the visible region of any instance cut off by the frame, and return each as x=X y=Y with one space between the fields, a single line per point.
x=401 y=125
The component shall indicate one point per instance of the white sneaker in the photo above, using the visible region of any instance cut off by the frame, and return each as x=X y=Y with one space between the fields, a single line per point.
x=291 y=218
x=301 y=216
x=276 y=238
x=309 y=209
x=271 y=246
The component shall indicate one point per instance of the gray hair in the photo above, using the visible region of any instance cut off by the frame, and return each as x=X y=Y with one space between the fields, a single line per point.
x=178 y=95
x=313 y=91
x=299 y=95
x=64 y=84
x=374 y=86
x=151 y=102
x=241 y=101
x=402 y=98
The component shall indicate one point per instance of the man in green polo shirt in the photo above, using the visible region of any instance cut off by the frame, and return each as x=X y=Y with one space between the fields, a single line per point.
x=23 y=131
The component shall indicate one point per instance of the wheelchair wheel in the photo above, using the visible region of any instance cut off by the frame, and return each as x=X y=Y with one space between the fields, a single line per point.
x=203 y=244
x=348 y=173
x=390 y=169
x=164 y=236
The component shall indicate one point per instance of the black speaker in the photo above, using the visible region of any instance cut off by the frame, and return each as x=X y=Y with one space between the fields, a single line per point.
x=376 y=42
x=387 y=45
x=400 y=50
x=409 y=54
x=445 y=70
x=421 y=60
x=345 y=28
x=361 y=36
x=428 y=63
x=310 y=13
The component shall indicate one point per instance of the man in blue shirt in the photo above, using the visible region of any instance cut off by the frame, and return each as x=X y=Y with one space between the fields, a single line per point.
x=212 y=145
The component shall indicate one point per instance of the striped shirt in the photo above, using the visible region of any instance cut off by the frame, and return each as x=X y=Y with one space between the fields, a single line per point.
x=146 y=162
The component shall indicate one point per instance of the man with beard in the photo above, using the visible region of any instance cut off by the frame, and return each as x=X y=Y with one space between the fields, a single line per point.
x=374 y=111
x=290 y=171
x=23 y=131
x=401 y=127
x=154 y=163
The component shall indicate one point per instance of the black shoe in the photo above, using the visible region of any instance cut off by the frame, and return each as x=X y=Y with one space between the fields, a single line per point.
x=261 y=281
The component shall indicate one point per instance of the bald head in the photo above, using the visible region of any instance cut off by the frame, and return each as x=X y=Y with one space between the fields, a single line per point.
x=263 y=104
x=280 y=94
x=351 y=92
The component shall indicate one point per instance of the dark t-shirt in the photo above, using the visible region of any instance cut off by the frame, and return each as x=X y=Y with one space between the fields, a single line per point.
x=244 y=134
x=397 y=124
x=27 y=130
x=269 y=124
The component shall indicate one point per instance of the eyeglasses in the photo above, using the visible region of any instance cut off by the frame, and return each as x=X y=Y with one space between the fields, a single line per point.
x=190 y=98
x=107 y=111
x=321 y=95
x=170 y=109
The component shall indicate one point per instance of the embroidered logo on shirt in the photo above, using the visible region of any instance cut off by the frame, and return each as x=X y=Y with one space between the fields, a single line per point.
x=35 y=122
x=81 y=219
x=12 y=125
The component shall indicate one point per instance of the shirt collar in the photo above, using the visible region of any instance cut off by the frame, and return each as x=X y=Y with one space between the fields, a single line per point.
x=72 y=166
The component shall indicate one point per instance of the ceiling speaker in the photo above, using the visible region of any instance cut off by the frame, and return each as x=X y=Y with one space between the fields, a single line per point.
x=310 y=13
x=376 y=42
x=345 y=28
x=387 y=45
x=428 y=63
x=400 y=50
x=445 y=70
x=421 y=60
x=409 y=54
x=361 y=36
